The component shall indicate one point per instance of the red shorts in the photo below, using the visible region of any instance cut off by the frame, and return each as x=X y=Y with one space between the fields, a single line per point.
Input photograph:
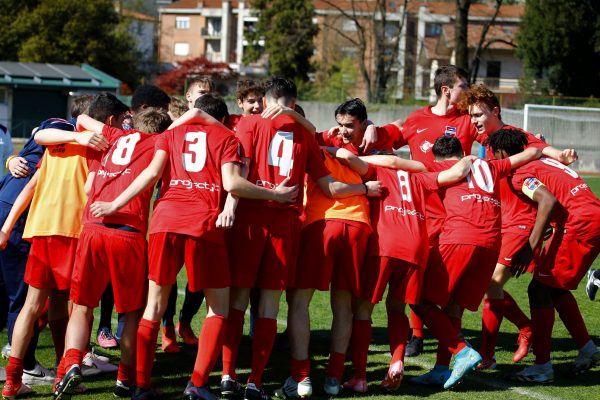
x=263 y=248
x=205 y=262
x=110 y=255
x=331 y=251
x=565 y=260
x=463 y=275
x=511 y=243
x=50 y=262
x=405 y=280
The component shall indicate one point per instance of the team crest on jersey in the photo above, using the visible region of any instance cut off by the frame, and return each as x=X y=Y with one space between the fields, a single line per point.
x=450 y=131
x=532 y=183
x=425 y=146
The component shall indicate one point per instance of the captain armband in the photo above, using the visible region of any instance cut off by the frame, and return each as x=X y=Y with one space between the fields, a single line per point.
x=530 y=185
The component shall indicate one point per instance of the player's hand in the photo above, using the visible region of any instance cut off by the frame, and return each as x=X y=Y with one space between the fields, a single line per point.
x=465 y=164
x=102 y=209
x=18 y=167
x=286 y=194
x=373 y=188
x=226 y=219
x=521 y=260
x=332 y=132
x=369 y=139
x=568 y=156
x=275 y=110
x=91 y=139
x=3 y=240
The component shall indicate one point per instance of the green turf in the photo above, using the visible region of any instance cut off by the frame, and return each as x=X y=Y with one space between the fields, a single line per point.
x=171 y=372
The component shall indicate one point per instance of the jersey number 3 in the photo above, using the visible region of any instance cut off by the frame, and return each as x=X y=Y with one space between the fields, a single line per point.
x=194 y=155
x=282 y=143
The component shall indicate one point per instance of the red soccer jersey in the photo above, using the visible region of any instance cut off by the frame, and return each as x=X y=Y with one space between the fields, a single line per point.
x=278 y=149
x=398 y=216
x=129 y=154
x=233 y=120
x=385 y=135
x=578 y=211
x=191 y=193
x=472 y=205
x=422 y=128
x=532 y=141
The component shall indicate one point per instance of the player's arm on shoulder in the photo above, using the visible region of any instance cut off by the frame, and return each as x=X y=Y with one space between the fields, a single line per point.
x=196 y=116
x=566 y=156
x=529 y=154
x=87 y=123
x=335 y=189
x=348 y=158
x=275 y=110
x=51 y=136
x=20 y=205
x=146 y=178
x=235 y=184
x=457 y=172
x=394 y=162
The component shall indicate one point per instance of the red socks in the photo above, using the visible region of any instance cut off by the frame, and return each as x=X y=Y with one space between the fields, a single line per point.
x=416 y=324
x=361 y=338
x=300 y=369
x=441 y=326
x=491 y=318
x=543 y=321
x=265 y=331
x=72 y=357
x=126 y=374
x=210 y=344
x=335 y=367
x=58 y=328
x=147 y=335
x=14 y=370
x=231 y=343
x=398 y=334
x=514 y=314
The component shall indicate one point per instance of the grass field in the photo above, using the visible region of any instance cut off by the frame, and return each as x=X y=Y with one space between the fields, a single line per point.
x=171 y=372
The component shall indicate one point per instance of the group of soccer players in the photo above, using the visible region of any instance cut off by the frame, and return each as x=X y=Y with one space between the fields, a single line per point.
x=262 y=203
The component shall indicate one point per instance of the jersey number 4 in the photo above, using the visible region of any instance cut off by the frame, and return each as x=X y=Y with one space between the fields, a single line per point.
x=194 y=155
x=282 y=143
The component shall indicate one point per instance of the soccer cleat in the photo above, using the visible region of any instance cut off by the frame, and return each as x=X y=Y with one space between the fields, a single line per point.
x=524 y=343
x=66 y=386
x=169 y=341
x=6 y=351
x=192 y=392
x=593 y=283
x=254 y=393
x=99 y=356
x=414 y=347
x=487 y=364
x=146 y=394
x=588 y=357
x=394 y=376
x=106 y=339
x=465 y=360
x=122 y=390
x=230 y=387
x=436 y=377
x=12 y=390
x=38 y=376
x=358 y=385
x=537 y=373
x=184 y=331
x=293 y=389
x=93 y=360
x=331 y=386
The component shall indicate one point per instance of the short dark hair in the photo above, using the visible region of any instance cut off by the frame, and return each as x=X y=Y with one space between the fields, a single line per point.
x=277 y=87
x=446 y=75
x=512 y=141
x=247 y=86
x=151 y=120
x=105 y=105
x=149 y=96
x=447 y=147
x=214 y=105
x=354 y=107
x=204 y=80
x=81 y=104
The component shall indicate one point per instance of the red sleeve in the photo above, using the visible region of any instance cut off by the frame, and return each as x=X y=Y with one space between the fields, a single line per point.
x=371 y=173
x=315 y=167
x=400 y=140
x=162 y=142
x=244 y=132
x=231 y=150
x=391 y=131
x=323 y=139
x=532 y=141
x=429 y=180
x=500 y=168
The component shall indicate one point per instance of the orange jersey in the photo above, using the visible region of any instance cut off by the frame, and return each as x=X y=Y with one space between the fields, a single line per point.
x=319 y=206
x=59 y=198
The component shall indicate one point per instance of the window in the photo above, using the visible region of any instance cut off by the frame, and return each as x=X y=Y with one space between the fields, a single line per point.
x=182 y=22
x=349 y=25
x=433 y=30
x=493 y=69
x=182 y=49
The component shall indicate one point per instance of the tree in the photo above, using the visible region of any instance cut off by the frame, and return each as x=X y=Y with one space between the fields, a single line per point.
x=174 y=81
x=559 y=40
x=288 y=33
x=376 y=40
x=461 y=48
x=71 y=32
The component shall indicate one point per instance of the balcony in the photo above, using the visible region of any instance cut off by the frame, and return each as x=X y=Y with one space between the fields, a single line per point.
x=209 y=33
x=500 y=85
